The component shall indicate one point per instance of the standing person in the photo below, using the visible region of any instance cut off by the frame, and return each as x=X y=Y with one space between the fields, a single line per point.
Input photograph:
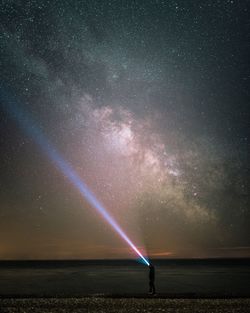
x=151 y=279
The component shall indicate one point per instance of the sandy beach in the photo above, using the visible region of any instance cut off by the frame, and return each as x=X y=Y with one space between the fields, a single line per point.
x=112 y=286
x=122 y=305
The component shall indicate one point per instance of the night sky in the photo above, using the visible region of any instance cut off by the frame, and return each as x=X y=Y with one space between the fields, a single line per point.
x=149 y=103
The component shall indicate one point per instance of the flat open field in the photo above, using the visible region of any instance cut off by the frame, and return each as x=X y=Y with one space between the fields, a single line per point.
x=122 y=305
x=72 y=279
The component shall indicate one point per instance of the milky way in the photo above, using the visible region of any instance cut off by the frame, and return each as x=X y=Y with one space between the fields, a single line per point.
x=148 y=101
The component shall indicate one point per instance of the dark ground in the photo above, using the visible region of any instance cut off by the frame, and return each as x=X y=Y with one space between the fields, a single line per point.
x=122 y=305
x=216 y=286
x=72 y=279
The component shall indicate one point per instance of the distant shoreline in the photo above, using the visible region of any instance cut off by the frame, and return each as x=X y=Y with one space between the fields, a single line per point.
x=236 y=260
x=129 y=259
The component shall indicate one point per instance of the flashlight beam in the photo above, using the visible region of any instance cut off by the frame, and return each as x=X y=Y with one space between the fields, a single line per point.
x=12 y=107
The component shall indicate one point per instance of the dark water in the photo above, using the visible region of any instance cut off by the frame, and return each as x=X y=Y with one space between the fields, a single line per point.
x=77 y=278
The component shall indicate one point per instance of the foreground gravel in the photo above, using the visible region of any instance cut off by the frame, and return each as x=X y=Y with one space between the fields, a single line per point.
x=122 y=305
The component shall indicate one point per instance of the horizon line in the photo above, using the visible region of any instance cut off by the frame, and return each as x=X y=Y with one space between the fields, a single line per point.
x=127 y=259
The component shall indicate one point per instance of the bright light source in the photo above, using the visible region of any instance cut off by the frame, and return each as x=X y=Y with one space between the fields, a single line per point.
x=27 y=124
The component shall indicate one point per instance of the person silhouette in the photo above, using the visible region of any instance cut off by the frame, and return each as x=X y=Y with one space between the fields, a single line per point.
x=151 y=279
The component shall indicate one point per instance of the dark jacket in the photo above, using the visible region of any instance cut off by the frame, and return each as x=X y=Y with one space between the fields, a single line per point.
x=151 y=273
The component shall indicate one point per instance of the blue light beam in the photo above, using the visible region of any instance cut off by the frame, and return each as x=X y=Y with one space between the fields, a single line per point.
x=12 y=107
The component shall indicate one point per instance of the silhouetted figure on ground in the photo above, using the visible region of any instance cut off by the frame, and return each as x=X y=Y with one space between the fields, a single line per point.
x=151 y=279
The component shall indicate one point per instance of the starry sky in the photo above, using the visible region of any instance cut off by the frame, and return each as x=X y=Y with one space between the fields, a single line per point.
x=149 y=103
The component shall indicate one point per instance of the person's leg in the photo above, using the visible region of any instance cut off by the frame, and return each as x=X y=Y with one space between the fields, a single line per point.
x=153 y=288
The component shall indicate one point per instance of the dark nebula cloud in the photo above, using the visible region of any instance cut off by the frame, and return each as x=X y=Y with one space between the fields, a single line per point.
x=149 y=102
